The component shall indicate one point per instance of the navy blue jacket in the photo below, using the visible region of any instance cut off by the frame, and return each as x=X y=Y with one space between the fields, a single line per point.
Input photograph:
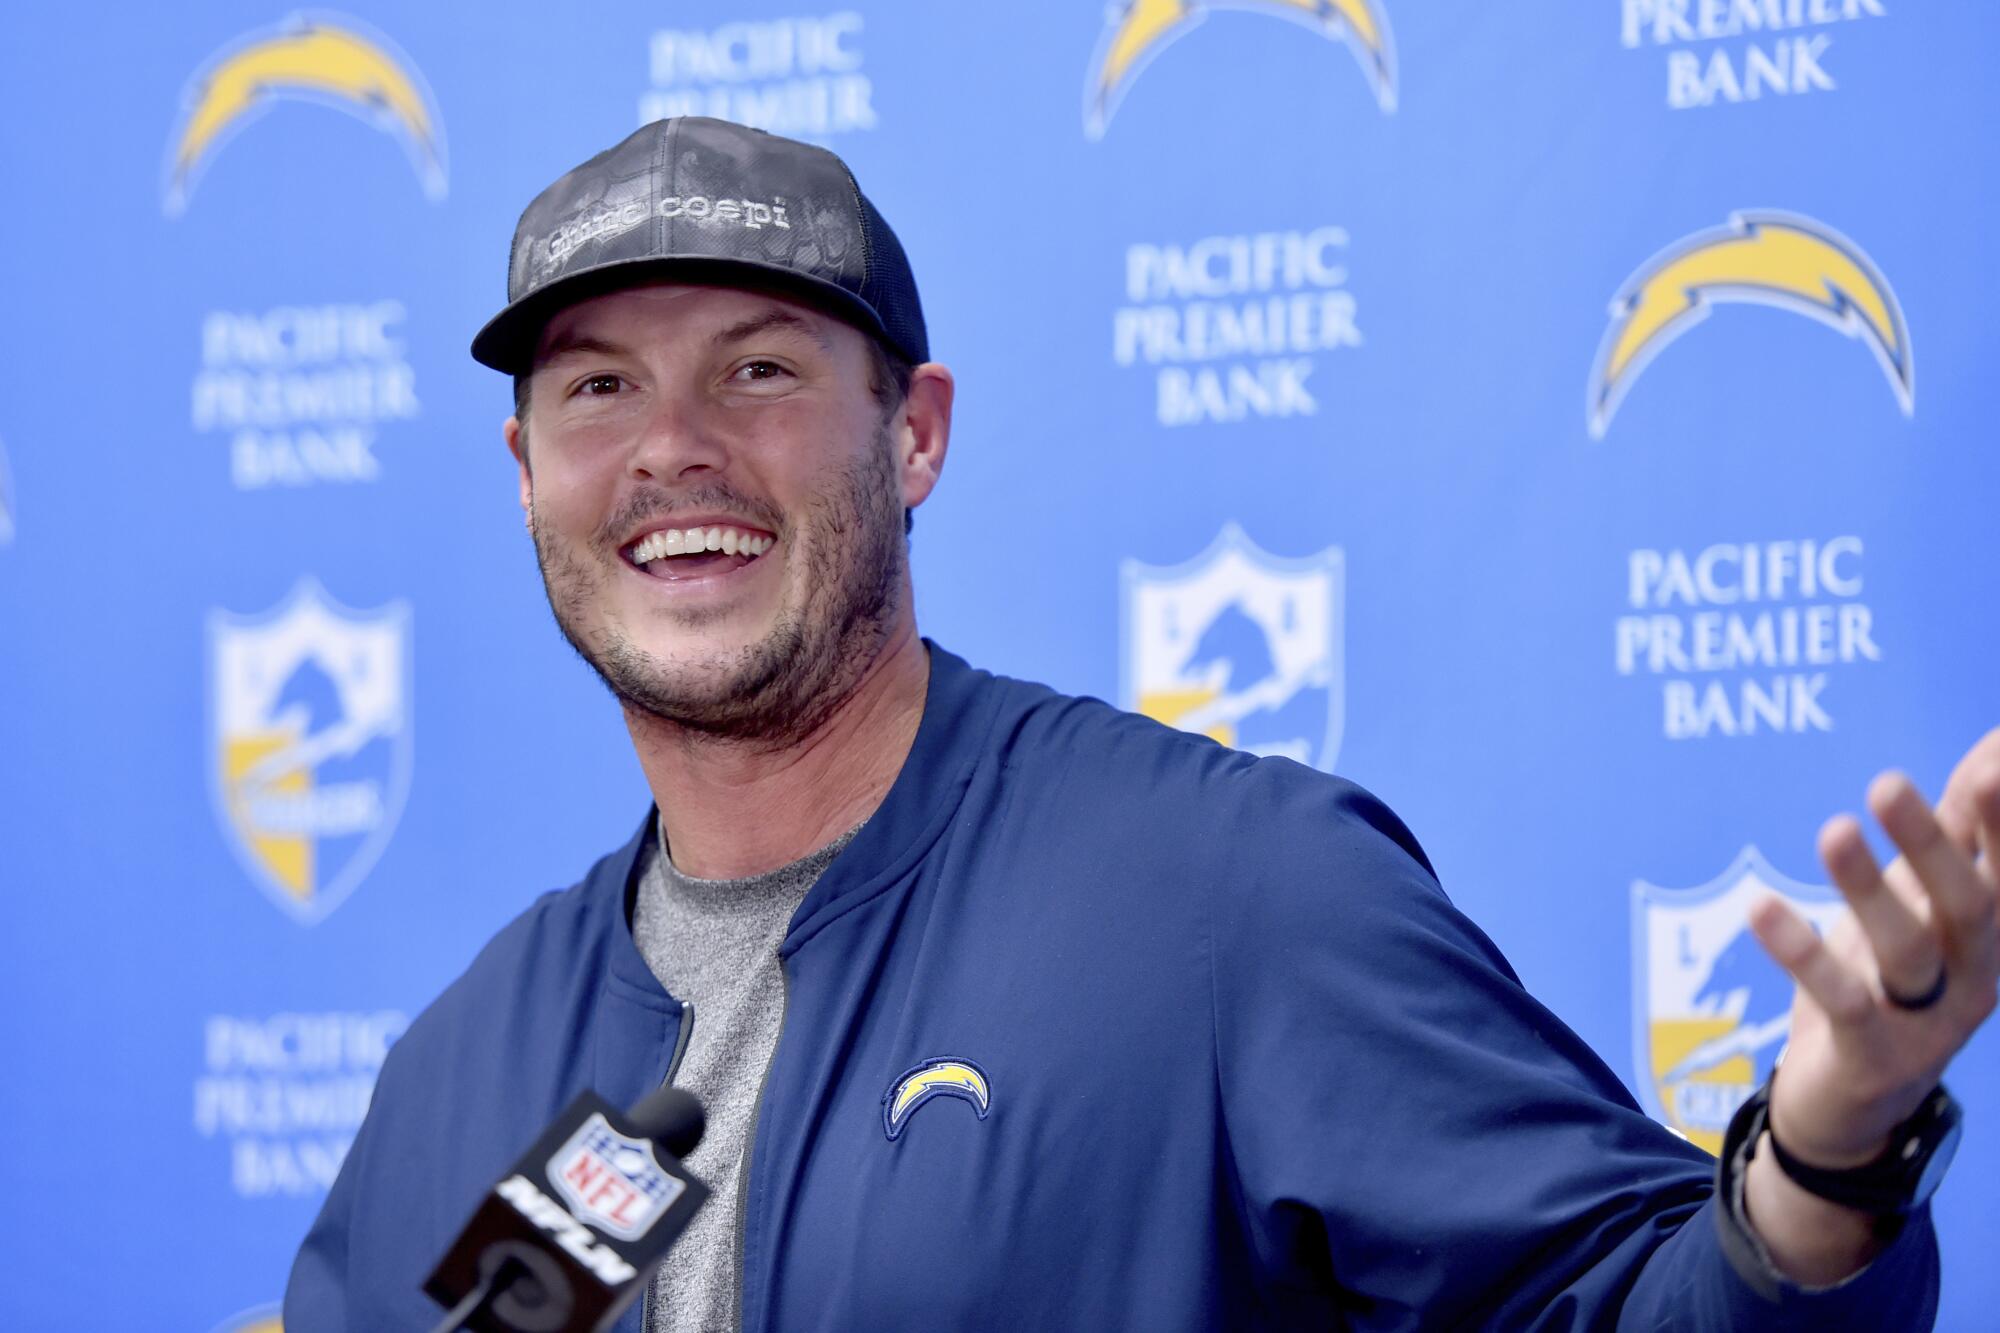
x=1247 y=1068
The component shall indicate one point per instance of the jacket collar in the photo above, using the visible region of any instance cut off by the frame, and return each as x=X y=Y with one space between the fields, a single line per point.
x=958 y=714
x=950 y=740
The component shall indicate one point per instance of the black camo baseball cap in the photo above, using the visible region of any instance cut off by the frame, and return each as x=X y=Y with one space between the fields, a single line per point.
x=706 y=201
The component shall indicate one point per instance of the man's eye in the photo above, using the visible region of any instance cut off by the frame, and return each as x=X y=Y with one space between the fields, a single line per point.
x=759 y=370
x=599 y=385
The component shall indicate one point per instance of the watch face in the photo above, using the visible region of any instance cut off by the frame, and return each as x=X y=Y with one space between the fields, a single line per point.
x=1934 y=1169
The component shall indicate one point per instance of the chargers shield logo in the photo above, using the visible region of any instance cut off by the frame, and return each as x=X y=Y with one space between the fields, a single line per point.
x=1710 y=1009
x=1240 y=645
x=612 y=1180
x=310 y=740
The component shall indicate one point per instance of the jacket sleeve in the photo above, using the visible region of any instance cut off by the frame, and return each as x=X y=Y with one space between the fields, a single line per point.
x=1421 y=1144
x=316 y=1293
x=416 y=1169
x=401 y=1194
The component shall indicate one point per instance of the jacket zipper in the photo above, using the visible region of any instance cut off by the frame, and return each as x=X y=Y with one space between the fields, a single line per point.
x=680 y=1042
x=750 y=1145
x=673 y=1067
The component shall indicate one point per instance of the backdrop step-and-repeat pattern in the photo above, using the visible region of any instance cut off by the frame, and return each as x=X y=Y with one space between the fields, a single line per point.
x=1574 y=421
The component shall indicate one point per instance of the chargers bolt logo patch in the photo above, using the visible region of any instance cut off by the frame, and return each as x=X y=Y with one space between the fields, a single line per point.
x=322 y=58
x=940 y=1076
x=1766 y=258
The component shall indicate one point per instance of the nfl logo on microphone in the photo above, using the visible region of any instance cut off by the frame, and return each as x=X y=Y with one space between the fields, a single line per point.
x=611 y=1181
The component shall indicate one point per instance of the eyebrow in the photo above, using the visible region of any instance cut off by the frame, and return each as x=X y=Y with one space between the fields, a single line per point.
x=773 y=318
x=569 y=344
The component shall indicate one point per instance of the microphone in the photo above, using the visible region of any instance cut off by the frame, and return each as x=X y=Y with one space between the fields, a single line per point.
x=566 y=1241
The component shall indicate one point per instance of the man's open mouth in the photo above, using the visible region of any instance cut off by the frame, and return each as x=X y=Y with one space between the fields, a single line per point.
x=672 y=553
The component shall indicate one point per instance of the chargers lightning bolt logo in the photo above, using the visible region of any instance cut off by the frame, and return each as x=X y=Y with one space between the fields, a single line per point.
x=1138 y=30
x=263 y=1319
x=1770 y=258
x=940 y=1076
x=6 y=503
x=322 y=58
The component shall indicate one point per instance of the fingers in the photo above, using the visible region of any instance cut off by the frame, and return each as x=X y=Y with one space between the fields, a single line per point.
x=1958 y=810
x=1934 y=913
x=1907 y=953
x=1961 y=900
x=1983 y=783
x=1798 y=949
x=1989 y=828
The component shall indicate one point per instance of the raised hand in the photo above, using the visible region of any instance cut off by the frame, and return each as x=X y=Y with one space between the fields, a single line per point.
x=1886 y=1000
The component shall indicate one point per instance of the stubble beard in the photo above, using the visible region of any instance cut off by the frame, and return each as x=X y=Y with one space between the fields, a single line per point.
x=781 y=688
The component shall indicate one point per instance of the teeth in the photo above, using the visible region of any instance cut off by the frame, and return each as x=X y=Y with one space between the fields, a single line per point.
x=694 y=541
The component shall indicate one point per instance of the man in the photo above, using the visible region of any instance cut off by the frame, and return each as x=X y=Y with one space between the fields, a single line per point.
x=1011 y=1010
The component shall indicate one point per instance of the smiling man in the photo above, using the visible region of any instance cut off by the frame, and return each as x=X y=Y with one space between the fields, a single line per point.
x=1014 y=1011
x=719 y=507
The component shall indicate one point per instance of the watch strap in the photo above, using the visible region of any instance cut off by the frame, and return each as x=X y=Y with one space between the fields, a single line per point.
x=1889 y=1186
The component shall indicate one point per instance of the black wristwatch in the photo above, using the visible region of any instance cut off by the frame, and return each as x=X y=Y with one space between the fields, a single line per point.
x=1900 y=1180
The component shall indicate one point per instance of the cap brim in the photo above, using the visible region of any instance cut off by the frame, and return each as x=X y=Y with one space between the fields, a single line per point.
x=508 y=342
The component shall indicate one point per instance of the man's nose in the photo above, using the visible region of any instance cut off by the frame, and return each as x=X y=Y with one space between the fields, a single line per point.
x=677 y=440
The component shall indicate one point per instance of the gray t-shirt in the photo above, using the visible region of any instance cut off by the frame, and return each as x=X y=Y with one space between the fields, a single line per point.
x=713 y=943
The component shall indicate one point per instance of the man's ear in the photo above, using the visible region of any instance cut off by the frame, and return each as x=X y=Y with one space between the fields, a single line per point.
x=923 y=431
x=517 y=445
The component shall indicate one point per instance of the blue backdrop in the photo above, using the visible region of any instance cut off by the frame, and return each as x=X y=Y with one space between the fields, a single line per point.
x=1572 y=421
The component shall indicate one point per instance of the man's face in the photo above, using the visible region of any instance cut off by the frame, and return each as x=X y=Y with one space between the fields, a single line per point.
x=717 y=501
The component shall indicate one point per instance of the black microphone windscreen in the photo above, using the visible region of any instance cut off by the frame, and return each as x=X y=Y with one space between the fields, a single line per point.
x=565 y=1241
x=672 y=1118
